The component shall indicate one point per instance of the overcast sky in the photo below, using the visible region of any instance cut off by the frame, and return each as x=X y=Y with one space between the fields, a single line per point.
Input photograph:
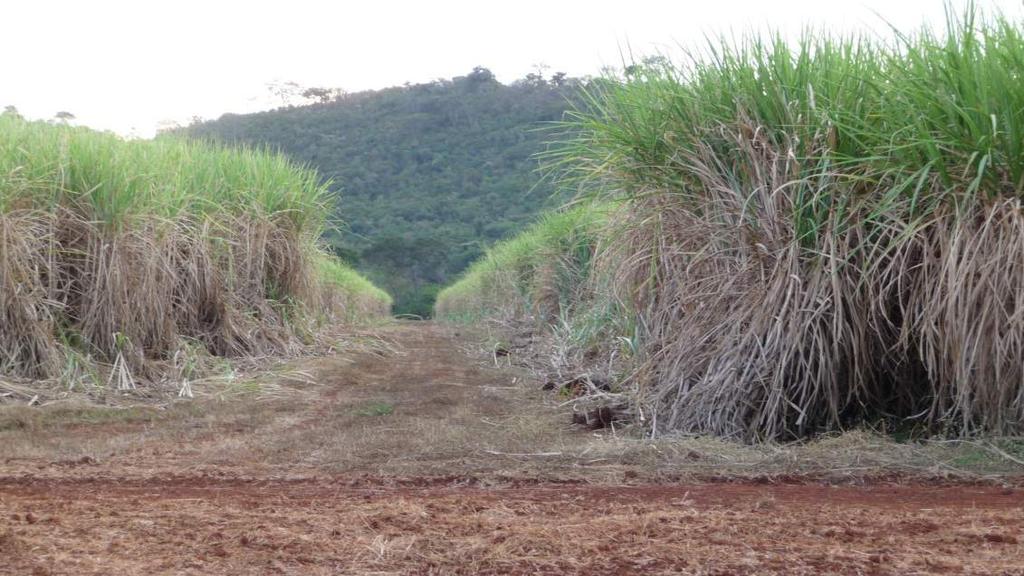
x=127 y=66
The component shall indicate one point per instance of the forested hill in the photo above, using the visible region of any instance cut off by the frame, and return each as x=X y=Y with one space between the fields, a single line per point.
x=428 y=174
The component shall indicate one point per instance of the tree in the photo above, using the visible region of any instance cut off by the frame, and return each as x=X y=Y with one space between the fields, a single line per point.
x=481 y=75
x=286 y=92
x=427 y=175
x=323 y=95
x=167 y=125
x=64 y=116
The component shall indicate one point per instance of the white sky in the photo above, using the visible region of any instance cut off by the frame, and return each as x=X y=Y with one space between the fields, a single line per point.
x=126 y=66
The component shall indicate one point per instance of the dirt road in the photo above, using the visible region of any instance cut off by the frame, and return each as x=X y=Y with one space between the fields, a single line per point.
x=425 y=459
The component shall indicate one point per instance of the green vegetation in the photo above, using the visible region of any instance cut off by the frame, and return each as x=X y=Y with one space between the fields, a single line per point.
x=359 y=297
x=537 y=276
x=428 y=174
x=137 y=253
x=376 y=409
x=818 y=233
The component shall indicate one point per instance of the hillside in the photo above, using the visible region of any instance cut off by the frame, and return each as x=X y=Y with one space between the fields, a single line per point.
x=428 y=174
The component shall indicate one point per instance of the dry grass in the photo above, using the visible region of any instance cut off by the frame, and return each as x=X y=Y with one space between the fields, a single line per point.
x=124 y=261
x=814 y=235
x=474 y=470
x=448 y=412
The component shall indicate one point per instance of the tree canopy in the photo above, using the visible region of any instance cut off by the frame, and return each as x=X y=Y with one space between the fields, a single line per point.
x=428 y=175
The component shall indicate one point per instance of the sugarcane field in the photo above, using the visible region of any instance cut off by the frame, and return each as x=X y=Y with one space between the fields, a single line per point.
x=664 y=288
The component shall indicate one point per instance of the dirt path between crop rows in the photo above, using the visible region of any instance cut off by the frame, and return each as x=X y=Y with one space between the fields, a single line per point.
x=426 y=460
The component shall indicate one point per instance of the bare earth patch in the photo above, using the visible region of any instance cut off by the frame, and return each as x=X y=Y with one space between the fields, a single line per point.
x=421 y=457
x=202 y=526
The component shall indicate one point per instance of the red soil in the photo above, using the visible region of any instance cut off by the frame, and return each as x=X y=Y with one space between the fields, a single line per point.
x=142 y=512
x=344 y=526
